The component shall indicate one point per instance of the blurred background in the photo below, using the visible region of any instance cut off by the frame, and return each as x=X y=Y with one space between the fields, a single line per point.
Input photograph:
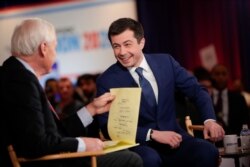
x=195 y=32
x=199 y=34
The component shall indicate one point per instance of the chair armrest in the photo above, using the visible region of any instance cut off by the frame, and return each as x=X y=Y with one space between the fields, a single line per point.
x=190 y=127
x=17 y=160
x=62 y=156
x=196 y=127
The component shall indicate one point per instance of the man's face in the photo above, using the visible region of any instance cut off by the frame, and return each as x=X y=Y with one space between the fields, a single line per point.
x=51 y=89
x=88 y=87
x=220 y=77
x=65 y=89
x=126 y=48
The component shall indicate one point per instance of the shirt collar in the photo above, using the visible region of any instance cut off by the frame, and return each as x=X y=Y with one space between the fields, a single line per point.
x=223 y=92
x=26 y=65
x=144 y=65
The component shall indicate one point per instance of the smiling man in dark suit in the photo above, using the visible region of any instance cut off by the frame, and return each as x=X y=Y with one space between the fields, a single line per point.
x=162 y=141
x=26 y=116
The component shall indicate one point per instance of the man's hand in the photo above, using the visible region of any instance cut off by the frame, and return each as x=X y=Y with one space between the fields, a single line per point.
x=100 y=104
x=93 y=144
x=167 y=137
x=213 y=131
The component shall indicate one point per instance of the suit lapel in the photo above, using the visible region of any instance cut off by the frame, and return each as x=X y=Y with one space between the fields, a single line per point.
x=155 y=67
x=123 y=77
x=158 y=73
x=157 y=70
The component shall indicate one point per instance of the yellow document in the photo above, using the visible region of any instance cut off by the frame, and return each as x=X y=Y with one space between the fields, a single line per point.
x=123 y=119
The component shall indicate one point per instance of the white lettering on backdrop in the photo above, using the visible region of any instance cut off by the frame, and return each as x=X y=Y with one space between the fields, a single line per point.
x=81 y=26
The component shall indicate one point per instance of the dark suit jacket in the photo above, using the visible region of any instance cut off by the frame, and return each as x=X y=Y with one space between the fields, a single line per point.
x=169 y=76
x=238 y=113
x=31 y=126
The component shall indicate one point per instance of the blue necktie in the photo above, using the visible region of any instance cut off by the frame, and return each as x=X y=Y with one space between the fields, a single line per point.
x=147 y=89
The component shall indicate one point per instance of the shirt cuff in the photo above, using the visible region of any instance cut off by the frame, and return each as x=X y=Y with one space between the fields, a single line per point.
x=209 y=120
x=148 y=135
x=81 y=145
x=85 y=116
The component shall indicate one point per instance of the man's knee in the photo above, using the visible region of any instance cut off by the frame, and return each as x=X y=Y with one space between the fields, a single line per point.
x=208 y=154
x=122 y=158
x=149 y=156
x=209 y=149
x=134 y=160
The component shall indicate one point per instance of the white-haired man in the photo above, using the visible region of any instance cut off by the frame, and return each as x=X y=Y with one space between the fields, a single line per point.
x=33 y=129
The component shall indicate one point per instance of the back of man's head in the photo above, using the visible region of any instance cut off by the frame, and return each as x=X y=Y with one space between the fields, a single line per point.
x=30 y=34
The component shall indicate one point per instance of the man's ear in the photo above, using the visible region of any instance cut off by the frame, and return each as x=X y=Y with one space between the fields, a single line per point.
x=43 y=47
x=142 y=43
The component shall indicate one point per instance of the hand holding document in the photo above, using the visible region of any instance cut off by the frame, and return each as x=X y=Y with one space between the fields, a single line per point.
x=123 y=119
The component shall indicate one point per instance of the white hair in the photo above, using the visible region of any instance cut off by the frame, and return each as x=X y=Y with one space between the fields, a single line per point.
x=30 y=34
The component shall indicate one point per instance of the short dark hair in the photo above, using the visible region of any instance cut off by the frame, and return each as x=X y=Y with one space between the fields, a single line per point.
x=122 y=24
x=86 y=77
x=201 y=73
x=50 y=80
